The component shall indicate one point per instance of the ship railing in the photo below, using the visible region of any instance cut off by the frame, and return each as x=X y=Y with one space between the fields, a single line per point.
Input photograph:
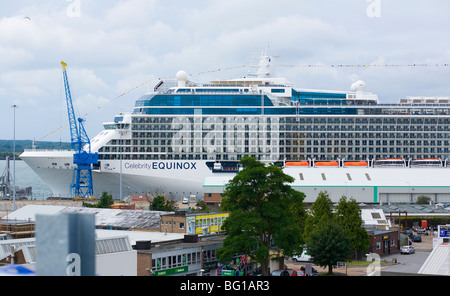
x=46 y=150
x=375 y=163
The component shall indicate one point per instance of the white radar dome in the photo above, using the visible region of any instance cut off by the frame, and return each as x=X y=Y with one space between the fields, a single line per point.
x=182 y=78
x=182 y=75
x=358 y=86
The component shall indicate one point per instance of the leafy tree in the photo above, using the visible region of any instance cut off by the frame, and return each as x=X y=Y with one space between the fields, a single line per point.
x=157 y=204
x=328 y=244
x=160 y=204
x=260 y=200
x=348 y=215
x=423 y=200
x=170 y=205
x=105 y=201
x=321 y=212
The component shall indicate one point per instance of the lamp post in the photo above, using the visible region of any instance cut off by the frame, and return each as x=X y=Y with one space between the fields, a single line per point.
x=119 y=127
x=14 y=158
x=121 y=157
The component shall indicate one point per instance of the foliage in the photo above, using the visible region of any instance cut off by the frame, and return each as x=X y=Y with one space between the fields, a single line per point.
x=261 y=203
x=105 y=201
x=201 y=206
x=157 y=204
x=328 y=244
x=433 y=221
x=423 y=200
x=348 y=215
x=170 y=205
x=321 y=212
x=348 y=235
x=6 y=146
x=161 y=204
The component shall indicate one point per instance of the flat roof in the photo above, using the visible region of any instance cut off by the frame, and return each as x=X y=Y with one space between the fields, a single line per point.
x=413 y=209
x=133 y=219
x=134 y=236
x=181 y=245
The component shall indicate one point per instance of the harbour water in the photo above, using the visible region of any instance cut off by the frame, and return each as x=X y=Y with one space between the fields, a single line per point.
x=26 y=177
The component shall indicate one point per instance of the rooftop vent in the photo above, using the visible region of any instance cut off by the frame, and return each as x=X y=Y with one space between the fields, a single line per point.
x=190 y=238
x=143 y=245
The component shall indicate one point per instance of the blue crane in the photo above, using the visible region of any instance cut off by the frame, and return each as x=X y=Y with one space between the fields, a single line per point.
x=81 y=187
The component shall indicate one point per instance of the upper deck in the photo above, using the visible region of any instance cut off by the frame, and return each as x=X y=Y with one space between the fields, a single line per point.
x=275 y=96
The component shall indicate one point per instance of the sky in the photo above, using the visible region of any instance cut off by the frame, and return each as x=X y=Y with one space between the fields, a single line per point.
x=117 y=50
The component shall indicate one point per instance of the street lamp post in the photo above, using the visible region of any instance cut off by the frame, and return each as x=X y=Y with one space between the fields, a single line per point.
x=119 y=127
x=14 y=158
x=121 y=148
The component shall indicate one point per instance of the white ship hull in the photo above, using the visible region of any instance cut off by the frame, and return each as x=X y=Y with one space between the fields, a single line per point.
x=173 y=178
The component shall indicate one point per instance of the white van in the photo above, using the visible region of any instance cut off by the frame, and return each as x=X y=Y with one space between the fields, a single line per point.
x=304 y=257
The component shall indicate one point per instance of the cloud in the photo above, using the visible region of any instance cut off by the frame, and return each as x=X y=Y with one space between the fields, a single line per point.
x=88 y=103
x=115 y=45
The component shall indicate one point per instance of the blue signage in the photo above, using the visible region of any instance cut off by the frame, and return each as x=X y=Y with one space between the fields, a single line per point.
x=444 y=231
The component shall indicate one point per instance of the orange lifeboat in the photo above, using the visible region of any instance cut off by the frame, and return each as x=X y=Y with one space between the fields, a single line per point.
x=355 y=163
x=297 y=163
x=332 y=163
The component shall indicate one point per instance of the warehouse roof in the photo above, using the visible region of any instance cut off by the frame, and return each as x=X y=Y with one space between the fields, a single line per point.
x=415 y=209
x=437 y=262
x=106 y=218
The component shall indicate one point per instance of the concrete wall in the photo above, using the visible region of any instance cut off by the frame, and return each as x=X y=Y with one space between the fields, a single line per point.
x=116 y=264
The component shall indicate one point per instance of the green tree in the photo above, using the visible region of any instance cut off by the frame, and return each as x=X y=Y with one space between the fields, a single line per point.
x=423 y=200
x=170 y=205
x=105 y=201
x=157 y=204
x=259 y=200
x=321 y=212
x=160 y=204
x=348 y=215
x=328 y=244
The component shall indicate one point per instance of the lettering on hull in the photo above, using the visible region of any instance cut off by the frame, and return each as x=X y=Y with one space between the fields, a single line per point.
x=159 y=165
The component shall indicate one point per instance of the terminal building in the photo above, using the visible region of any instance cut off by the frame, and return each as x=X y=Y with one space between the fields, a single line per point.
x=365 y=184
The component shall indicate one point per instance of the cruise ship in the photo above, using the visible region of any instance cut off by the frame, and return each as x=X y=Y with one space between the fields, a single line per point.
x=184 y=131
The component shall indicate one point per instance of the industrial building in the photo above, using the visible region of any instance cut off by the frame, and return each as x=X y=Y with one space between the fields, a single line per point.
x=113 y=255
x=366 y=185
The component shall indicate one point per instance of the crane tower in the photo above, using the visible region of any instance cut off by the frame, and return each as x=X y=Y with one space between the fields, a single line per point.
x=83 y=159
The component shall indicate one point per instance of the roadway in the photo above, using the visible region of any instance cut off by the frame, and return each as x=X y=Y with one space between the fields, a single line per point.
x=406 y=264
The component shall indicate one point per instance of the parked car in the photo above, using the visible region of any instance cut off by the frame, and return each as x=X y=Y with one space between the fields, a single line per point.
x=279 y=272
x=408 y=250
x=314 y=272
x=185 y=200
x=298 y=272
x=409 y=233
x=417 y=238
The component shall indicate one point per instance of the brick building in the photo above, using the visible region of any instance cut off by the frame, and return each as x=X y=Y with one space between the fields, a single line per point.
x=384 y=242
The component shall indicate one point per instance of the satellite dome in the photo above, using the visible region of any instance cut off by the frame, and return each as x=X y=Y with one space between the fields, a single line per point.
x=358 y=86
x=182 y=78
x=182 y=75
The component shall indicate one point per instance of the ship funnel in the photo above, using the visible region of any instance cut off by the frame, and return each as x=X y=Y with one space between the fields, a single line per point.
x=182 y=78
